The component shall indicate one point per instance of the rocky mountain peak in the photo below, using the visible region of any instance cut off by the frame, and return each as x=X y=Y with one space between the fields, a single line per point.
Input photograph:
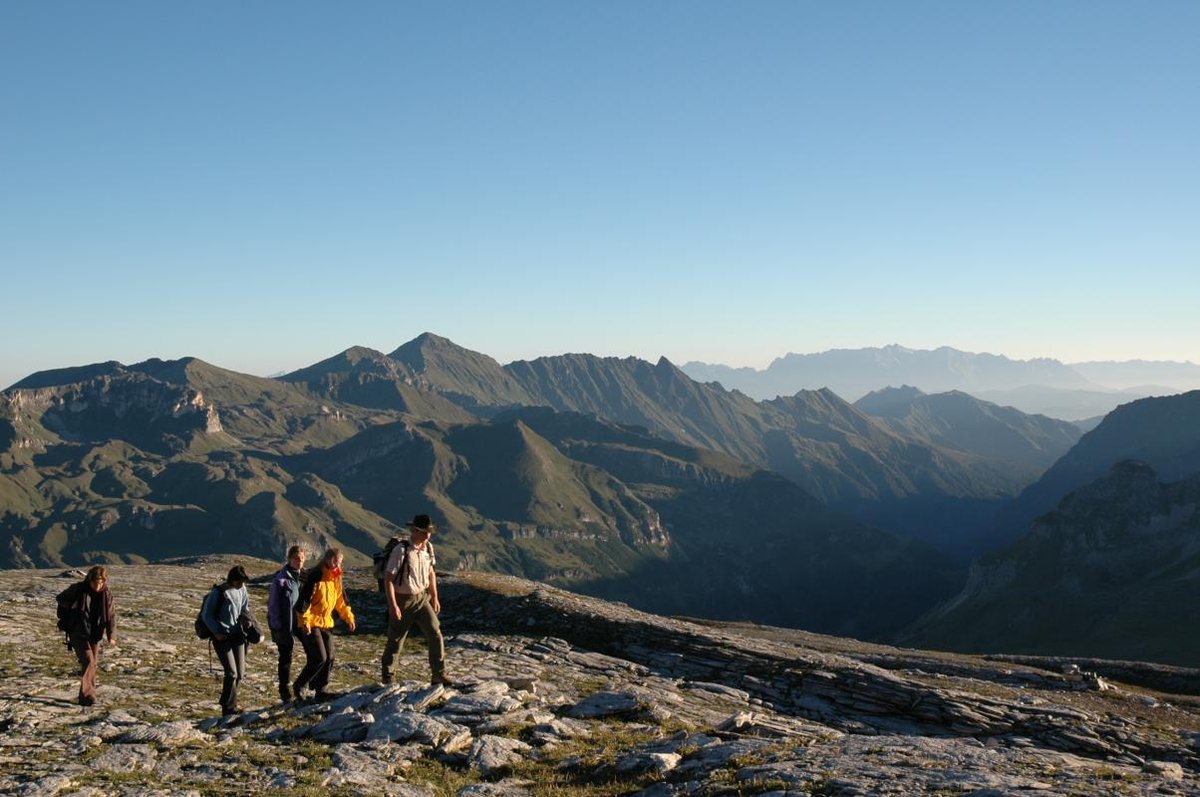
x=889 y=401
x=418 y=352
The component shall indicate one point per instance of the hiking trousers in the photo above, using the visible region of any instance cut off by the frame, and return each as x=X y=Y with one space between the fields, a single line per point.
x=415 y=609
x=232 y=655
x=318 y=654
x=285 y=643
x=88 y=653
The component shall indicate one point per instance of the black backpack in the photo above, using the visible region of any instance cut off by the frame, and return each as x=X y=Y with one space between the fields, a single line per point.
x=67 y=609
x=379 y=561
x=202 y=629
x=64 y=618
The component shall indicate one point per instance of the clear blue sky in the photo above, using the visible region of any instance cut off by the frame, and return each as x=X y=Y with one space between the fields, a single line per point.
x=265 y=184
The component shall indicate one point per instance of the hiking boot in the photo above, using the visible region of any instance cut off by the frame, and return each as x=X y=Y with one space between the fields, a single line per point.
x=231 y=710
x=441 y=679
x=87 y=701
x=387 y=680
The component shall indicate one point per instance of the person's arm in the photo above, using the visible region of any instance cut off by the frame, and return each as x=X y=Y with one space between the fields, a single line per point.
x=395 y=567
x=277 y=605
x=434 y=603
x=343 y=609
x=217 y=595
x=305 y=598
x=389 y=589
x=110 y=618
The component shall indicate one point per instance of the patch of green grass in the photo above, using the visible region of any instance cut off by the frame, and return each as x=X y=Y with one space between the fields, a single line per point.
x=441 y=778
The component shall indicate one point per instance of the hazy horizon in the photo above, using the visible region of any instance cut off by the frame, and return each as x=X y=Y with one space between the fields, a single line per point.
x=262 y=186
x=318 y=357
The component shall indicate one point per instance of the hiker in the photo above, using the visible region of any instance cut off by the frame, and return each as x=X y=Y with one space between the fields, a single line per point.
x=87 y=617
x=282 y=596
x=226 y=612
x=320 y=596
x=410 y=583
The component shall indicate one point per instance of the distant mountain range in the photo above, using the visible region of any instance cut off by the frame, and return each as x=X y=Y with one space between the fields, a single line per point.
x=619 y=477
x=1045 y=386
x=936 y=491
x=126 y=463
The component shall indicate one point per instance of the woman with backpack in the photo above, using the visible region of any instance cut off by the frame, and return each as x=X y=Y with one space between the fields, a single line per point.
x=85 y=611
x=226 y=612
x=321 y=596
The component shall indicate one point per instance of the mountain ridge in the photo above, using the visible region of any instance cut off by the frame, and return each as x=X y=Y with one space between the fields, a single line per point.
x=1141 y=541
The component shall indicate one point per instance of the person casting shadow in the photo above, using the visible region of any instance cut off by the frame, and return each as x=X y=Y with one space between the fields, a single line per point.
x=321 y=596
x=87 y=616
x=224 y=612
x=282 y=597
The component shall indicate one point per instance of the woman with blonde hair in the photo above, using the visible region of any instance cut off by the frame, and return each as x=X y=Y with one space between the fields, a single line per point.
x=321 y=596
x=86 y=615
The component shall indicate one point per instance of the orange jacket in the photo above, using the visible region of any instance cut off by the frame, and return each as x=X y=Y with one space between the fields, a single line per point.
x=327 y=597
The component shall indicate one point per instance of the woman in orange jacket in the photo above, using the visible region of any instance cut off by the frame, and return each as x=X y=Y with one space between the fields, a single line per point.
x=321 y=596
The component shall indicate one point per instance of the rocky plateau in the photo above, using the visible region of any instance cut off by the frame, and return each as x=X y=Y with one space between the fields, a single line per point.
x=559 y=694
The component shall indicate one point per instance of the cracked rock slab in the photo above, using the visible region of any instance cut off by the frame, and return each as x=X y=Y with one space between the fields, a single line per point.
x=167 y=734
x=126 y=758
x=404 y=726
x=607 y=704
x=490 y=754
x=347 y=726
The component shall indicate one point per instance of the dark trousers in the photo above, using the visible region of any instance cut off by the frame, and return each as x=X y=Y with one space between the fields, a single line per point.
x=285 y=643
x=88 y=654
x=415 y=609
x=232 y=655
x=318 y=654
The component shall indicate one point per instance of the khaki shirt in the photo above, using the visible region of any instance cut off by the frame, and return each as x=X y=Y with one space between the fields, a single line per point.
x=416 y=575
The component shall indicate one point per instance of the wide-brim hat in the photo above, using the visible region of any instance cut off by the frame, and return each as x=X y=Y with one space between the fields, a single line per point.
x=422 y=523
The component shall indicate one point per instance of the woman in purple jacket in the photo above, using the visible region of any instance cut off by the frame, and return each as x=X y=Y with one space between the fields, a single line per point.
x=281 y=614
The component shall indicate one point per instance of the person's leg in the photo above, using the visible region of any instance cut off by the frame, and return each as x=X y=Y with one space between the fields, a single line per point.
x=87 y=654
x=427 y=621
x=314 y=658
x=239 y=671
x=285 y=644
x=225 y=654
x=320 y=679
x=397 y=631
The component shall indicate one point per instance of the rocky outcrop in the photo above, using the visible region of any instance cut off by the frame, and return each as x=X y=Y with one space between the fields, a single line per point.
x=103 y=405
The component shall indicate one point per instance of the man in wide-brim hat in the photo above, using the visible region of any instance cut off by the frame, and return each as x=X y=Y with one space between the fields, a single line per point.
x=410 y=583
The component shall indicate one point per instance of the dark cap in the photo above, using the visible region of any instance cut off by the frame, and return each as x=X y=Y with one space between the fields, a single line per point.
x=422 y=523
x=237 y=573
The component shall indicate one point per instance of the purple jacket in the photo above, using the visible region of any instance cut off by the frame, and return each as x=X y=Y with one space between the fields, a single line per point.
x=281 y=599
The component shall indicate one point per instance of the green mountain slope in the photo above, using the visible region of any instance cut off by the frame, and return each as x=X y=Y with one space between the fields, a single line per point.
x=506 y=498
x=748 y=544
x=1112 y=572
x=1162 y=432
